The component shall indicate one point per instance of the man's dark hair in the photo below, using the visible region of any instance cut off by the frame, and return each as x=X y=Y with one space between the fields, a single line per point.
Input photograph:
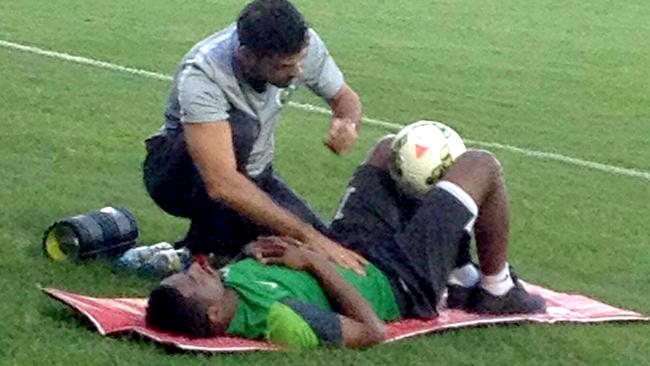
x=168 y=310
x=272 y=28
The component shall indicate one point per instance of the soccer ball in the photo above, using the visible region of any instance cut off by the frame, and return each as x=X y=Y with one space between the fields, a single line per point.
x=421 y=153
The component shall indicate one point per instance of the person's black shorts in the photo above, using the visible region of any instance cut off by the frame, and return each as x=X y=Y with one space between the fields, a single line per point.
x=174 y=183
x=416 y=247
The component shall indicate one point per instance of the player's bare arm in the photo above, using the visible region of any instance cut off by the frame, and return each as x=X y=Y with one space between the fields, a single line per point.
x=360 y=325
x=346 y=120
x=210 y=145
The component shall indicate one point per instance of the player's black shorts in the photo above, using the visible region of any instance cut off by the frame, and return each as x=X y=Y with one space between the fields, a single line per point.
x=416 y=247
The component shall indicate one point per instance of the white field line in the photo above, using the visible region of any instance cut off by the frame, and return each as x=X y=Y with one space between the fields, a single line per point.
x=612 y=169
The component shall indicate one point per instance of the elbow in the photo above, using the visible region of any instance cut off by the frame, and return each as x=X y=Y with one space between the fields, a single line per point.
x=215 y=191
x=374 y=334
x=377 y=334
x=220 y=188
x=364 y=335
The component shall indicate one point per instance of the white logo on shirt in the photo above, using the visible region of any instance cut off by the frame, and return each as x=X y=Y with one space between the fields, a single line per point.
x=272 y=285
x=285 y=95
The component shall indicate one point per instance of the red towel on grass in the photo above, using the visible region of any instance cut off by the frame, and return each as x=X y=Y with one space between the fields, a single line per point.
x=115 y=316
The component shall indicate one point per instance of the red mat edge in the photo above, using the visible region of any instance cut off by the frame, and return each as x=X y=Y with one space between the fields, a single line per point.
x=516 y=320
x=61 y=296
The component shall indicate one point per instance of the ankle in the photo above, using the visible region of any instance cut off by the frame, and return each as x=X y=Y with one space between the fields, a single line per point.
x=497 y=284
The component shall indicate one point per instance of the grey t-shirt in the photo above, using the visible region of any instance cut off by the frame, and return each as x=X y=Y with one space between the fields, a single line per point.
x=208 y=88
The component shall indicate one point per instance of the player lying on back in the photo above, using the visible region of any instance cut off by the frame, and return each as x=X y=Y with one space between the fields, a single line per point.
x=417 y=247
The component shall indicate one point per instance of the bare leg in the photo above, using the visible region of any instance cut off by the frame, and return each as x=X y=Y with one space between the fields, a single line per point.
x=479 y=174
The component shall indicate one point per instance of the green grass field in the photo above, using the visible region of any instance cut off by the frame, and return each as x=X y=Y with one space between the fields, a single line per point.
x=558 y=76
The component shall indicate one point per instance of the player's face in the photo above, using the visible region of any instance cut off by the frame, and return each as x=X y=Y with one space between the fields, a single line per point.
x=281 y=70
x=198 y=282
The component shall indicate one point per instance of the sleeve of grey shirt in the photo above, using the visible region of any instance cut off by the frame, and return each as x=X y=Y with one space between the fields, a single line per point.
x=200 y=98
x=321 y=74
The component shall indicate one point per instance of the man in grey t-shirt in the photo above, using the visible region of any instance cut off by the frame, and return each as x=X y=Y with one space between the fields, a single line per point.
x=212 y=160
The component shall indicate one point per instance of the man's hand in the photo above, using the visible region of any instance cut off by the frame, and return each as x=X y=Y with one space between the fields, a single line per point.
x=318 y=248
x=336 y=253
x=342 y=135
x=346 y=120
x=284 y=251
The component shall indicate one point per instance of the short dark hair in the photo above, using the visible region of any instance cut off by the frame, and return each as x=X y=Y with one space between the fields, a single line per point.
x=272 y=28
x=168 y=310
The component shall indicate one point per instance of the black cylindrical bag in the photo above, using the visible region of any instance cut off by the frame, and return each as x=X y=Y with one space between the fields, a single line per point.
x=106 y=233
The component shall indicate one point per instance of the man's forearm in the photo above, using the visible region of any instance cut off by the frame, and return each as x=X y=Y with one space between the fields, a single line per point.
x=210 y=146
x=353 y=305
x=243 y=196
x=347 y=105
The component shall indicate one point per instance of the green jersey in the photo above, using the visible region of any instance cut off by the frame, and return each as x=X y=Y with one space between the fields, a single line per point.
x=289 y=307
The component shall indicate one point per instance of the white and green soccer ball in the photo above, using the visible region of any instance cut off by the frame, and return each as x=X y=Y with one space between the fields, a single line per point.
x=421 y=153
